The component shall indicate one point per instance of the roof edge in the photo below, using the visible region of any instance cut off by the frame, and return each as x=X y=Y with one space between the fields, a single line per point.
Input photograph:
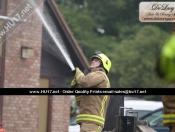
x=69 y=34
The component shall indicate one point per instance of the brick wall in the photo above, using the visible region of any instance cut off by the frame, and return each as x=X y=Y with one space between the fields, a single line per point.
x=23 y=72
x=20 y=113
x=60 y=113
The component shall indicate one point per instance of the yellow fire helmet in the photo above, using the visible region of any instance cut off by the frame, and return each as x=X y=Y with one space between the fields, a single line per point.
x=106 y=63
x=166 y=63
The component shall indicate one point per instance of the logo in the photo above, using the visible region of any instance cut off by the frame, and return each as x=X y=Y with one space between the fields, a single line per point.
x=157 y=11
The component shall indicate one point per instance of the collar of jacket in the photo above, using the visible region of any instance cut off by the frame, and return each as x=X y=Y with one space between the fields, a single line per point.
x=98 y=69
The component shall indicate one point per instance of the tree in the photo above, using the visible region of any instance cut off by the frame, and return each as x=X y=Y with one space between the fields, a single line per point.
x=114 y=28
x=135 y=58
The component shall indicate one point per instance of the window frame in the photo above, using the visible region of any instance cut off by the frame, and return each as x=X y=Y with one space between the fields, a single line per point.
x=49 y=103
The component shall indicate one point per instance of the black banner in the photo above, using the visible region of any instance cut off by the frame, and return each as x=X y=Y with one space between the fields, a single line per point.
x=86 y=91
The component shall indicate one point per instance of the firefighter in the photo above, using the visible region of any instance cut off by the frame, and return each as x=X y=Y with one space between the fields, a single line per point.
x=166 y=71
x=92 y=108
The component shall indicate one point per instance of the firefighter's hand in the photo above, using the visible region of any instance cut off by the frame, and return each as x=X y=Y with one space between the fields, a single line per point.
x=78 y=74
x=78 y=71
x=74 y=84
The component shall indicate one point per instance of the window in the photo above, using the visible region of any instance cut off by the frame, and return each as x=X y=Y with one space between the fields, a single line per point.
x=73 y=110
x=155 y=119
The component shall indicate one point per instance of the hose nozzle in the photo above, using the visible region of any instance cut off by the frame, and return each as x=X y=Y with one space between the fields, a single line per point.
x=73 y=71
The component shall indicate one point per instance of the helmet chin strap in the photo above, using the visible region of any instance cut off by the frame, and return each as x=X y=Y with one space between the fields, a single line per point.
x=101 y=65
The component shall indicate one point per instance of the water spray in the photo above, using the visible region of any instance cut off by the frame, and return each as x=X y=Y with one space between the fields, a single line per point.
x=53 y=36
x=10 y=18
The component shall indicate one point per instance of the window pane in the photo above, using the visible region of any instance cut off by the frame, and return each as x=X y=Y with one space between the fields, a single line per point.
x=155 y=119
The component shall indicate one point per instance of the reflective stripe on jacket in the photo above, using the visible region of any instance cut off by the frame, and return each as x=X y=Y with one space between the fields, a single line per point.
x=90 y=118
x=168 y=118
x=169 y=108
x=93 y=109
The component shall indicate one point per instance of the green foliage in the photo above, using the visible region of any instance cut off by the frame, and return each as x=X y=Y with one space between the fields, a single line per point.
x=135 y=58
x=131 y=45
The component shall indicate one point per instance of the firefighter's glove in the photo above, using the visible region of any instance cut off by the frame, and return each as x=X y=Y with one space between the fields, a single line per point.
x=77 y=70
x=73 y=83
x=78 y=74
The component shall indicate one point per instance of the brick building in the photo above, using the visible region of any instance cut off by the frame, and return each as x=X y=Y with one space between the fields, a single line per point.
x=44 y=68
